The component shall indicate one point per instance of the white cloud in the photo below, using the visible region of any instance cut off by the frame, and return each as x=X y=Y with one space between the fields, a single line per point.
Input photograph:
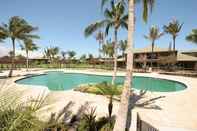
x=3 y=50
x=34 y=54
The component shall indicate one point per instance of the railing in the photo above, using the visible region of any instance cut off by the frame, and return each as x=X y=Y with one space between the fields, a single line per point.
x=144 y=126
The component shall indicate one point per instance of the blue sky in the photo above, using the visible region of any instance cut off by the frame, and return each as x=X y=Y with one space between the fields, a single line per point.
x=62 y=22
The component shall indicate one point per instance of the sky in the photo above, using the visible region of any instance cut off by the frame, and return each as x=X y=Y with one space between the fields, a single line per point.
x=62 y=22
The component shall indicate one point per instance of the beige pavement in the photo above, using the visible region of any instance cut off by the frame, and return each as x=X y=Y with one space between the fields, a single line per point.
x=178 y=110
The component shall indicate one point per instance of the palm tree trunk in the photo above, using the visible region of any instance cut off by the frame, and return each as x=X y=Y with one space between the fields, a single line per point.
x=99 y=50
x=27 y=60
x=174 y=43
x=13 y=58
x=123 y=118
x=153 y=43
x=115 y=57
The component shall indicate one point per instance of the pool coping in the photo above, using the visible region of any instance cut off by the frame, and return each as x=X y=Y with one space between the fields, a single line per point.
x=110 y=75
x=187 y=95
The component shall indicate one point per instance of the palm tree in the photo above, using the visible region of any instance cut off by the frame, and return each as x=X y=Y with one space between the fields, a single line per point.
x=123 y=47
x=122 y=117
x=108 y=50
x=115 y=18
x=110 y=91
x=83 y=58
x=47 y=54
x=153 y=35
x=28 y=46
x=17 y=28
x=192 y=37
x=100 y=39
x=173 y=28
x=71 y=56
x=63 y=53
x=54 y=52
x=3 y=34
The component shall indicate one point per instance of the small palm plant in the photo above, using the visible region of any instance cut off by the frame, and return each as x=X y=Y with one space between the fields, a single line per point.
x=110 y=91
x=90 y=120
x=28 y=46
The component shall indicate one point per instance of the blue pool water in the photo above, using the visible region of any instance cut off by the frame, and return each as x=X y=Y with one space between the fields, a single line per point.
x=57 y=81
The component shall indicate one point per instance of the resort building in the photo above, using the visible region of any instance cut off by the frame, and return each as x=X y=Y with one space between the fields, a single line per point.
x=162 y=57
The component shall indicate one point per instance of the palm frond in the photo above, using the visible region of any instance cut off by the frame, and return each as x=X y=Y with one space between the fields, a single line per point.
x=192 y=37
x=94 y=27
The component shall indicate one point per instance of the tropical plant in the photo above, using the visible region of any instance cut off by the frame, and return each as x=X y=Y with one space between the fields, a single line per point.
x=54 y=51
x=71 y=54
x=83 y=58
x=115 y=18
x=110 y=91
x=47 y=54
x=108 y=50
x=90 y=120
x=17 y=28
x=122 y=117
x=16 y=114
x=173 y=28
x=90 y=56
x=153 y=35
x=3 y=34
x=192 y=37
x=28 y=45
x=63 y=53
x=123 y=47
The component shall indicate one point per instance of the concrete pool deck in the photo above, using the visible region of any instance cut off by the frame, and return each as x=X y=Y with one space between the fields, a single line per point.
x=176 y=111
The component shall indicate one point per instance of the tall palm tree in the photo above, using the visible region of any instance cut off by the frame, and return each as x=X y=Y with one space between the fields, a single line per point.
x=122 y=122
x=123 y=47
x=192 y=37
x=54 y=52
x=17 y=28
x=100 y=39
x=153 y=35
x=173 y=28
x=28 y=46
x=47 y=54
x=115 y=18
x=63 y=53
x=71 y=54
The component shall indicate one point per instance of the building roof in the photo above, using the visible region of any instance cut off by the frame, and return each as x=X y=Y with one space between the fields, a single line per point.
x=39 y=58
x=190 y=51
x=185 y=57
x=149 y=49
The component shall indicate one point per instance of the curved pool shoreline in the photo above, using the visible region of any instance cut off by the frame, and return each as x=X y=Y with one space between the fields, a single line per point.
x=151 y=83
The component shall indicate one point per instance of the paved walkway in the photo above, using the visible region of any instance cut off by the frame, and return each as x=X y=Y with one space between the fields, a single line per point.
x=176 y=110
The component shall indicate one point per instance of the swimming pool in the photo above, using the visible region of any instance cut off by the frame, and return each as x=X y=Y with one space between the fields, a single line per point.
x=57 y=81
